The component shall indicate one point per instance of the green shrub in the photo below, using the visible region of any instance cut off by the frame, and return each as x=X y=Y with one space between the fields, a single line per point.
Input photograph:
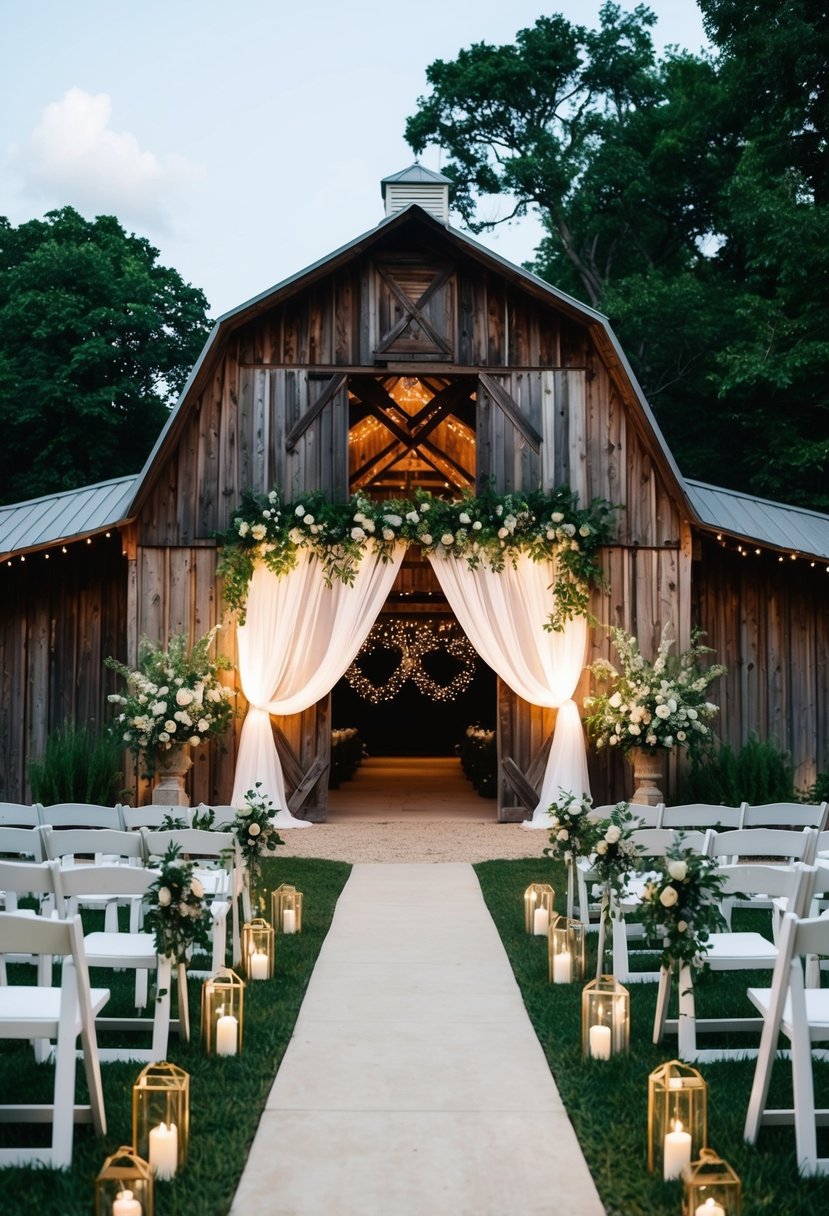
x=78 y=765
x=758 y=773
x=819 y=792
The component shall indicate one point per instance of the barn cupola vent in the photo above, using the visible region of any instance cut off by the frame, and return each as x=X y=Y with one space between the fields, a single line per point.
x=419 y=185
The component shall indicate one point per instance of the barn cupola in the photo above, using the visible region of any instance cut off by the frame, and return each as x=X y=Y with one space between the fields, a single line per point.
x=419 y=185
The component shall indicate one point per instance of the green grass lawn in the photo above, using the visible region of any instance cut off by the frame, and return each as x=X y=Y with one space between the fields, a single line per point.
x=607 y=1101
x=227 y=1094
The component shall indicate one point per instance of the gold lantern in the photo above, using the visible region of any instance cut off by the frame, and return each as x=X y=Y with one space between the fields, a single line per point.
x=257 y=949
x=677 y=1094
x=124 y=1187
x=605 y=1018
x=222 y=1013
x=538 y=908
x=566 y=950
x=286 y=909
x=712 y=1188
x=161 y=1117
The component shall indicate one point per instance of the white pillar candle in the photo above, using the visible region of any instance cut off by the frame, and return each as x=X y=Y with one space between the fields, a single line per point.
x=710 y=1208
x=289 y=920
x=125 y=1204
x=674 y=1082
x=541 y=922
x=676 y=1152
x=164 y=1150
x=599 y=1042
x=227 y=1035
x=259 y=965
x=562 y=967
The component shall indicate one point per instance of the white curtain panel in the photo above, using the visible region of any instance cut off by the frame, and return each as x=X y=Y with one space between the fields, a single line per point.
x=298 y=639
x=503 y=615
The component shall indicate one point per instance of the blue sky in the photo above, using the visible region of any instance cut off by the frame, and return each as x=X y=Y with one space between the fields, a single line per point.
x=244 y=141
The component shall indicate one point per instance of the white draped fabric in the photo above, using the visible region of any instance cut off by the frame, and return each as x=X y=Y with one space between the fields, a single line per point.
x=503 y=615
x=298 y=639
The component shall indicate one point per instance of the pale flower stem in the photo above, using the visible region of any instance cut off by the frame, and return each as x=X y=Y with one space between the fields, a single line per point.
x=571 y=888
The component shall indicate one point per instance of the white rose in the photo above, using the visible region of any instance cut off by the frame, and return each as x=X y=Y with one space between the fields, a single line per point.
x=163 y=737
x=299 y=510
x=358 y=534
x=214 y=694
x=668 y=897
x=259 y=531
x=171 y=727
x=424 y=507
x=563 y=835
x=194 y=740
x=254 y=829
x=585 y=530
x=476 y=527
x=681 y=925
x=203 y=726
x=502 y=533
x=601 y=847
x=309 y=519
x=412 y=517
x=464 y=518
x=243 y=527
x=164 y=896
x=678 y=870
x=388 y=534
x=681 y=736
x=662 y=711
x=615 y=701
x=197 y=888
x=184 y=696
x=426 y=538
x=556 y=517
x=613 y=834
x=447 y=539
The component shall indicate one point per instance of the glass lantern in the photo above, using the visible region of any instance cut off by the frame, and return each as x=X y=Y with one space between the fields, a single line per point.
x=222 y=1013
x=712 y=1188
x=605 y=1018
x=286 y=909
x=161 y=1118
x=538 y=908
x=124 y=1187
x=677 y=1094
x=258 y=949
x=566 y=950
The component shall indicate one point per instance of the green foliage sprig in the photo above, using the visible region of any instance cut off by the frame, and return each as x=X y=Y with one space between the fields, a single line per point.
x=490 y=529
x=615 y=856
x=178 y=914
x=680 y=907
x=573 y=833
x=652 y=705
x=254 y=830
x=174 y=697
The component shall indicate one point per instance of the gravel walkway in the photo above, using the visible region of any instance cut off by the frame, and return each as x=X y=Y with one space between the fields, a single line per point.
x=453 y=840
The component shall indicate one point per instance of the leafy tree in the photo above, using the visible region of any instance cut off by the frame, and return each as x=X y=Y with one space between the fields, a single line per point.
x=96 y=341
x=670 y=190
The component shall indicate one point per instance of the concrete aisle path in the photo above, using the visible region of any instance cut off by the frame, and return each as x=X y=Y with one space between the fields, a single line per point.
x=414 y=1084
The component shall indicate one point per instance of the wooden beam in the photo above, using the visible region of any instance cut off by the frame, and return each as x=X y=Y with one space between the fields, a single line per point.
x=300 y=427
x=519 y=784
x=502 y=398
x=306 y=784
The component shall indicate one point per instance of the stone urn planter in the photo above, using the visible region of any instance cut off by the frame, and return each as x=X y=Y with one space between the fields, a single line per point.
x=647 y=775
x=170 y=771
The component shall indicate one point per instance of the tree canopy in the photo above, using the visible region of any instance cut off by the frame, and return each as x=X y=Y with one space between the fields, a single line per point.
x=96 y=342
x=686 y=197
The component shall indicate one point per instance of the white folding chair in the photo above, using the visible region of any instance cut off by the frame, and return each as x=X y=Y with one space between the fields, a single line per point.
x=63 y=1014
x=223 y=816
x=85 y=846
x=742 y=951
x=36 y=879
x=18 y=844
x=18 y=815
x=80 y=815
x=702 y=815
x=786 y=846
x=120 y=951
x=802 y=1015
x=136 y=817
x=219 y=870
x=786 y=815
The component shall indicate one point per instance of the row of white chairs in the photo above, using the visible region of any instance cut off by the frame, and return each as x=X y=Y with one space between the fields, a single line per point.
x=701 y=815
x=119 y=816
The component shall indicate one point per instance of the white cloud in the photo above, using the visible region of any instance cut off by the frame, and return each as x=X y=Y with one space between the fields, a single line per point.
x=73 y=156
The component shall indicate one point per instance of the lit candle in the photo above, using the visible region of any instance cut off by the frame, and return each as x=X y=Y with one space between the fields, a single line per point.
x=599 y=1042
x=125 y=1204
x=259 y=965
x=562 y=967
x=676 y=1152
x=226 y=1035
x=541 y=922
x=164 y=1150
x=674 y=1082
x=710 y=1208
x=289 y=920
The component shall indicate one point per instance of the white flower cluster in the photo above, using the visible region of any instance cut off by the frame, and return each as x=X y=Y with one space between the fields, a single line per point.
x=660 y=704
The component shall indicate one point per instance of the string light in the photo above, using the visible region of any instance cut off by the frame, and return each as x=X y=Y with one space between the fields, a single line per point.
x=412 y=640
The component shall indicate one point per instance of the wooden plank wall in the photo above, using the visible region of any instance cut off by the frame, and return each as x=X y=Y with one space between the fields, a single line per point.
x=60 y=617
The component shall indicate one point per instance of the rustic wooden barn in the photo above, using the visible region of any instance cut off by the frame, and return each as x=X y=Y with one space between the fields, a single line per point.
x=411 y=357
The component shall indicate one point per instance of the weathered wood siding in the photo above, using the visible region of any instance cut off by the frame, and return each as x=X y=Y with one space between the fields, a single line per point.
x=60 y=617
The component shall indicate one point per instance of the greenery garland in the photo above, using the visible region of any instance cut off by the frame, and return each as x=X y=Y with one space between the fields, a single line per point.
x=490 y=529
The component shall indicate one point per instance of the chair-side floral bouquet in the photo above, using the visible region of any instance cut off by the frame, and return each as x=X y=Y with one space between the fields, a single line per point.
x=615 y=854
x=254 y=831
x=177 y=914
x=573 y=833
x=174 y=698
x=652 y=705
x=681 y=906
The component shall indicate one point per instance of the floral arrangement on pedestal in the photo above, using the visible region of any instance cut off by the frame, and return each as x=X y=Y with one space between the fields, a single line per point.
x=178 y=914
x=490 y=529
x=174 y=698
x=652 y=705
x=680 y=906
x=254 y=831
x=478 y=755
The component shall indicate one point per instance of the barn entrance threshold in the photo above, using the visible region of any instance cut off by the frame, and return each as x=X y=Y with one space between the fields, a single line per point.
x=409 y=789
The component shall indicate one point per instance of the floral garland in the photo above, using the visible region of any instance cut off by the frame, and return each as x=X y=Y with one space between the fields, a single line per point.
x=652 y=705
x=489 y=529
x=254 y=831
x=174 y=698
x=178 y=914
x=680 y=907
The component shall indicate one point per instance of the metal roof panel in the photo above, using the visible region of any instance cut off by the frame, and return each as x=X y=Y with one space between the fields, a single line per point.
x=65 y=516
